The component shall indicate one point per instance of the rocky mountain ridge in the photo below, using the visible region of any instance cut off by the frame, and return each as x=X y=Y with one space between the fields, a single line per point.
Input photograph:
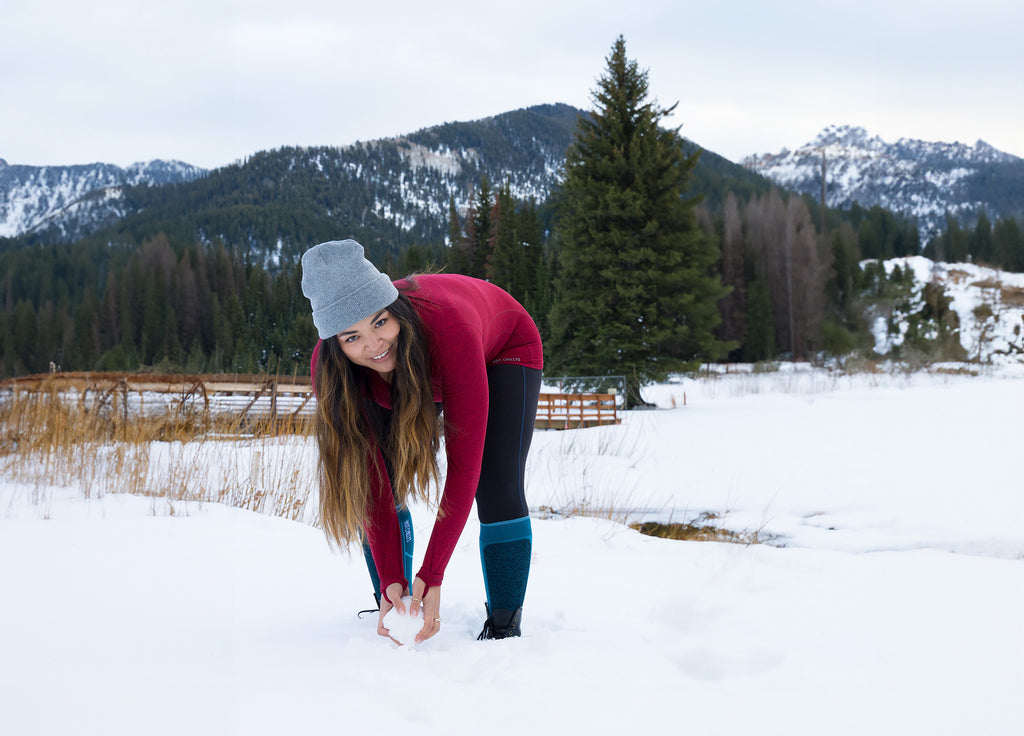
x=399 y=188
x=66 y=202
x=388 y=193
x=921 y=179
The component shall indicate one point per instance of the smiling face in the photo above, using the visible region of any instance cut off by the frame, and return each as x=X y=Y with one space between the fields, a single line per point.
x=372 y=343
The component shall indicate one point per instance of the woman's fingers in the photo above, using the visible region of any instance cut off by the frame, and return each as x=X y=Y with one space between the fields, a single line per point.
x=394 y=595
x=427 y=604
x=418 y=586
x=392 y=598
x=430 y=628
x=384 y=608
x=431 y=612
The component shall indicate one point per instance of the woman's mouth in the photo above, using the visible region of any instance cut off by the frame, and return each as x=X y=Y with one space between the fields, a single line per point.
x=383 y=355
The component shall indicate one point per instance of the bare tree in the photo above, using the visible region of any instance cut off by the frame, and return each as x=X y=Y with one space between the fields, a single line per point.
x=766 y=239
x=807 y=271
x=734 y=306
x=784 y=244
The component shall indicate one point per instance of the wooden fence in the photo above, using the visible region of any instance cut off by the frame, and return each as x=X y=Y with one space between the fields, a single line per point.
x=242 y=396
x=251 y=398
x=575 y=411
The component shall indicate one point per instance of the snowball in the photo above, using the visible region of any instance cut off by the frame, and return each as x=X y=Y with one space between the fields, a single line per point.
x=403 y=627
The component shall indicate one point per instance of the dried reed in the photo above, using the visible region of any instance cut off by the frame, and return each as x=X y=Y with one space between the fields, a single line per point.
x=173 y=454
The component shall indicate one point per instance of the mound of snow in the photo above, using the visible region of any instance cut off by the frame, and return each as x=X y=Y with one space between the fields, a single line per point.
x=403 y=627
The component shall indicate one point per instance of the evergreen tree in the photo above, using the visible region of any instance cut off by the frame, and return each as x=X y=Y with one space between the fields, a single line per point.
x=154 y=317
x=636 y=293
x=843 y=284
x=952 y=246
x=479 y=228
x=454 y=223
x=85 y=334
x=458 y=252
x=535 y=290
x=1008 y=245
x=505 y=257
x=733 y=326
x=760 y=342
x=6 y=354
x=981 y=248
x=24 y=335
x=413 y=259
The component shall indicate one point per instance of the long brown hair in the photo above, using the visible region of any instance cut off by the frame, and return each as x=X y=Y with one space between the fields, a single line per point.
x=350 y=427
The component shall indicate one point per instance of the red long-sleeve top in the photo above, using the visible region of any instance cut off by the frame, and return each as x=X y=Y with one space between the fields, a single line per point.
x=469 y=324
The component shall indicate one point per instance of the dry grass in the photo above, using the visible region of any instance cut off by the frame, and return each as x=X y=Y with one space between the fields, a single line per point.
x=1009 y=295
x=957 y=370
x=956 y=275
x=588 y=509
x=178 y=457
x=697 y=531
x=175 y=456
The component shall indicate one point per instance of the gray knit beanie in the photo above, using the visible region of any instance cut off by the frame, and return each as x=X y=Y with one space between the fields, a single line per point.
x=342 y=286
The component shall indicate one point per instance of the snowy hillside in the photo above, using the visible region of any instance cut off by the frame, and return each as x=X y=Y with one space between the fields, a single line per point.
x=918 y=178
x=392 y=189
x=989 y=304
x=70 y=201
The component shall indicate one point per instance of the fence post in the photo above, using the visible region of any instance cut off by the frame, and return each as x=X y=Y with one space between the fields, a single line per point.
x=273 y=401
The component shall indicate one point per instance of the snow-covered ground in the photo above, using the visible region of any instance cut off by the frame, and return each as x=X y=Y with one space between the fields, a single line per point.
x=889 y=601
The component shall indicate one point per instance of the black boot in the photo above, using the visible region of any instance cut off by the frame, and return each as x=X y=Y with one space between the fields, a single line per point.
x=502 y=623
x=376 y=598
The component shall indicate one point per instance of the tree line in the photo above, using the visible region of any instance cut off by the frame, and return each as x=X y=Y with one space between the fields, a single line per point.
x=201 y=308
x=999 y=244
x=629 y=267
x=197 y=309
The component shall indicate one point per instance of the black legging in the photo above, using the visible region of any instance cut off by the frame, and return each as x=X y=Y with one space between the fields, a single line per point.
x=500 y=493
x=512 y=410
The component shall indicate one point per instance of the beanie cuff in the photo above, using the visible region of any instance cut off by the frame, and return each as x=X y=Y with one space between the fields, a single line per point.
x=374 y=296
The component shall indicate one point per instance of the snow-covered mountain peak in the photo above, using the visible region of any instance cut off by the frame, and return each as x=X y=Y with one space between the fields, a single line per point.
x=36 y=197
x=847 y=137
x=921 y=179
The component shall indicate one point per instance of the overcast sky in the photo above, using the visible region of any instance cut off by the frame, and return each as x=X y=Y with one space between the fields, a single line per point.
x=211 y=81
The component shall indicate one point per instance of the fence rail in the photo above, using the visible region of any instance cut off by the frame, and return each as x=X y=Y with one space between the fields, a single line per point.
x=248 y=397
x=260 y=398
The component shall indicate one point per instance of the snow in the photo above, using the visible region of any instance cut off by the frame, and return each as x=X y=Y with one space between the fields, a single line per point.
x=994 y=335
x=403 y=627
x=888 y=600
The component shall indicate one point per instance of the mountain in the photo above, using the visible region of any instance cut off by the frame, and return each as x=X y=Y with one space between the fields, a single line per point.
x=387 y=193
x=67 y=202
x=920 y=179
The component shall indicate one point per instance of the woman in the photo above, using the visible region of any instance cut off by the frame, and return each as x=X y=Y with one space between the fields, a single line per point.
x=389 y=355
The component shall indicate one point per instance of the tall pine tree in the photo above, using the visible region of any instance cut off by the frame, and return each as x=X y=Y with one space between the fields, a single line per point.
x=504 y=261
x=636 y=292
x=479 y=228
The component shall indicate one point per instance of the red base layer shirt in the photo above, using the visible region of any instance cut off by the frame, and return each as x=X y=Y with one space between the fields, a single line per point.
x=469 y=324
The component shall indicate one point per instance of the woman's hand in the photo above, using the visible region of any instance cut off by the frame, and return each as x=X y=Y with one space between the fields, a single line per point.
x=394 y=593
x=431 y=606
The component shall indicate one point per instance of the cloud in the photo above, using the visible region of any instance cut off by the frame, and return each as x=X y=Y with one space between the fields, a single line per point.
x=210 y=81
x=295 y=42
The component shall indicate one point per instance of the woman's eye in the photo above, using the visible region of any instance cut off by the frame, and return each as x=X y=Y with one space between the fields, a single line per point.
x=381 y=322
